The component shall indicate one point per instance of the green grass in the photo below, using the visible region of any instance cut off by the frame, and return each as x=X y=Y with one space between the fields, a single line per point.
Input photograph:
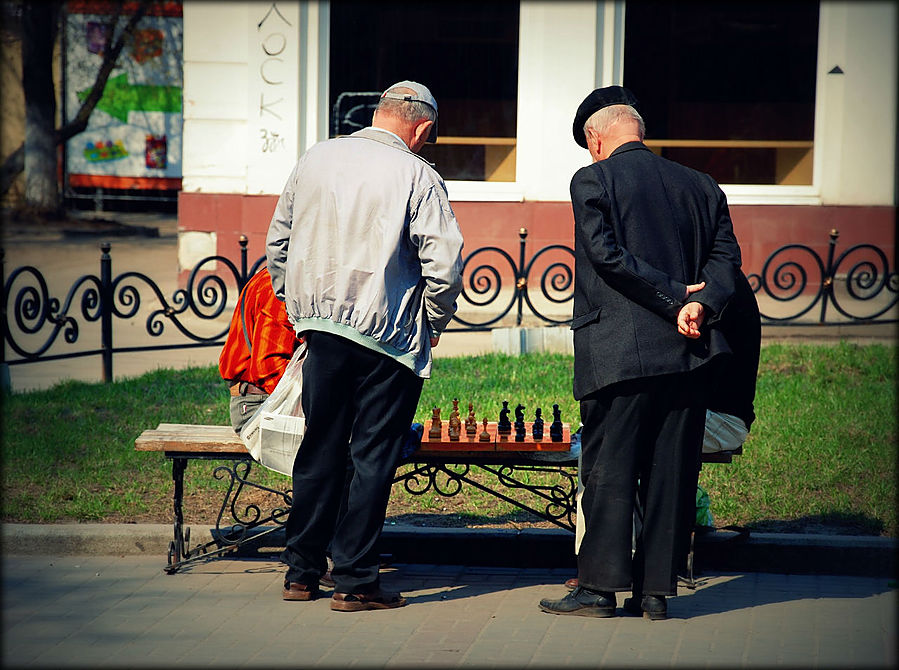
x=823 y=449
x=821 y=457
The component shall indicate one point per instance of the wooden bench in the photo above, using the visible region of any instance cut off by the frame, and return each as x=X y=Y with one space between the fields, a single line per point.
x=438 y=467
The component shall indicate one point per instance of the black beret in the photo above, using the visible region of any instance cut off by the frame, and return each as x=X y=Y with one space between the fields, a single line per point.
x=601 y=97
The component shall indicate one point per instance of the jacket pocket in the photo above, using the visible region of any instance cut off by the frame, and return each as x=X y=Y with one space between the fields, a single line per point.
x=585 y=319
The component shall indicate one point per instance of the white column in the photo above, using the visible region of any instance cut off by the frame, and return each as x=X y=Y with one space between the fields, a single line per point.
x=855 y=112
x=557 y=60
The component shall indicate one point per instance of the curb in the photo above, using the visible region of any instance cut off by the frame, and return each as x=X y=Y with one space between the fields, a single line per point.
x=787 y=553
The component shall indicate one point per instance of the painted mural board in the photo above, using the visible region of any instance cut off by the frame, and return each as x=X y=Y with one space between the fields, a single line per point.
x=134 y=136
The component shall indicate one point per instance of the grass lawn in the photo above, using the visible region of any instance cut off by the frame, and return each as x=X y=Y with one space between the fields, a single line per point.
x=821 y=456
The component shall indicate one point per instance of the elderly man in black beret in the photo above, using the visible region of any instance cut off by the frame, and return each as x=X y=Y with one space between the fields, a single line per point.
x=656 y=262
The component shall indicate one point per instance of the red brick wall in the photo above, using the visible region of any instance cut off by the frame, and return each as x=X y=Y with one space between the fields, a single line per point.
x=760 y=229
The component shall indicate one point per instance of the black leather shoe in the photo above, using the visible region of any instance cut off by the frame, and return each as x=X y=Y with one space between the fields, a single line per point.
x=581 y=602
x=653 y=608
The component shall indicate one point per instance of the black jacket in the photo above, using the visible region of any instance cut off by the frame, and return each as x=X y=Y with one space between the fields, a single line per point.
x=645 y=227
x=731 y=387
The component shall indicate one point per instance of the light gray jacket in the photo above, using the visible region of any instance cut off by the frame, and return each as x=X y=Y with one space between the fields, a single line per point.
x=364 y=244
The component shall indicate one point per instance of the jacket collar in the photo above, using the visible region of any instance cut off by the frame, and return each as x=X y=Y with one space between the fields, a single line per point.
x=629 y=146
x=387 y=138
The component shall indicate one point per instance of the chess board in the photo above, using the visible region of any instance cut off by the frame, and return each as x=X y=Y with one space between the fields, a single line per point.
x=496 y=442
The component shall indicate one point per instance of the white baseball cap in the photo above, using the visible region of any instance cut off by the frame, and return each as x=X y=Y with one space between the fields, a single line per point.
x=421 y=94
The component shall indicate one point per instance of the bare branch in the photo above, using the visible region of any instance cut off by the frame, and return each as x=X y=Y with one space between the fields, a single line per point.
x=110 y=57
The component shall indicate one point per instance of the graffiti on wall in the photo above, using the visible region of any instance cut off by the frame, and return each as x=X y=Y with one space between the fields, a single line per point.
x=273 y=98
x=133 y=138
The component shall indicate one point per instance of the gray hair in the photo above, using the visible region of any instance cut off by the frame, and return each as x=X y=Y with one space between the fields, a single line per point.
x=603 y=119
x=407 y=110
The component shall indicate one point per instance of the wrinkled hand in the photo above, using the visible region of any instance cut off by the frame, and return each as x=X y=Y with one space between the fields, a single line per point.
x=434 y=341
x=692 y=288
x=690 y=318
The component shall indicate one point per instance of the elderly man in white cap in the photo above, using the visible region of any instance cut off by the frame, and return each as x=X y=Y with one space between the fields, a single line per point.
x=365 y=251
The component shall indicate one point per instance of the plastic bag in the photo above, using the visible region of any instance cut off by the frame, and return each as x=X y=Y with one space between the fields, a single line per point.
x=703 y=508
x=274 y=433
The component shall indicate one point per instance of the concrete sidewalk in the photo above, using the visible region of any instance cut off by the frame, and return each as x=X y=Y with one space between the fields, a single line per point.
x=113 y=611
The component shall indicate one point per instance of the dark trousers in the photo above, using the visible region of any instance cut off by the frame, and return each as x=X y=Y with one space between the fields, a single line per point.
x=358 y=404
x=648 y=431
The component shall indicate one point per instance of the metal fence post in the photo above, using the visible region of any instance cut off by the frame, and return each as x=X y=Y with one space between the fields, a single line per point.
x=5 y=383
x=827 y=286
x=521 y=281
x=106 y=310
x=243 y=279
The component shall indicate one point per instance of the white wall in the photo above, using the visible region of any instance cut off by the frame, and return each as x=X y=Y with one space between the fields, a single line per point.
x=215 y=96
x=855 y=133
x=557 y=69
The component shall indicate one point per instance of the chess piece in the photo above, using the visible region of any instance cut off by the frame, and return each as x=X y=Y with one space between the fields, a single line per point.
x=537 y=427
x=484 y=436
x=519 y=415
x=455 y=423
x=504 y=427
x=519 y=423
x=436 y=425
x=555 y=428
x=471 y=423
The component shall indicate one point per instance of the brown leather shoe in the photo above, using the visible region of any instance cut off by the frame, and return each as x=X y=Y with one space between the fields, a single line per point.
x=297 y=591
x=327 y=580
x=357 y=602
x=571 y=584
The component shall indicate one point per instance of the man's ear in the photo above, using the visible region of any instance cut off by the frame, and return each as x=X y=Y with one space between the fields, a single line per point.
x=594 y=143
x=421 y=132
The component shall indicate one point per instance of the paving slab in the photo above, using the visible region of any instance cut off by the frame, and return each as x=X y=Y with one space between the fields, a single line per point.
x=123 y=611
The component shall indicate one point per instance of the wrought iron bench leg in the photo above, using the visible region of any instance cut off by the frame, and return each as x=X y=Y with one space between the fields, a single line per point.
x=178 y=546
x=224 y=540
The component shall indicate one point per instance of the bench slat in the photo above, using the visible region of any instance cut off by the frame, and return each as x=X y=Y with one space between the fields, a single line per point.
x=190 y=438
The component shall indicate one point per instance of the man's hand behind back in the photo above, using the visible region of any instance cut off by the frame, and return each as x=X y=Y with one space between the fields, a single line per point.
x=690 y=318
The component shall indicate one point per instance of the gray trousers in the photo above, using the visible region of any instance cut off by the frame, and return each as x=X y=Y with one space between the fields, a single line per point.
x=243 y=407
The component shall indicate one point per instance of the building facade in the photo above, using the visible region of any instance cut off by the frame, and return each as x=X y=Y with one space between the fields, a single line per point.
x=791 y=106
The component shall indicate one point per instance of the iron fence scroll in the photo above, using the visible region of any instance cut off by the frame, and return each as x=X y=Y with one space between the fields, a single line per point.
x=858 y=286
x=859 y=278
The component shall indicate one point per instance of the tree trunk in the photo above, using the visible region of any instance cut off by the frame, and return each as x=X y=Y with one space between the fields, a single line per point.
x=40 y=22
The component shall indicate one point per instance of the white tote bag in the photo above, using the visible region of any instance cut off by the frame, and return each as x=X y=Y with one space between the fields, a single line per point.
x=274 y=433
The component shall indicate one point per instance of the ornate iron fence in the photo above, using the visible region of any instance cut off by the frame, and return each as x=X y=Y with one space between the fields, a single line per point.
x=793 y=281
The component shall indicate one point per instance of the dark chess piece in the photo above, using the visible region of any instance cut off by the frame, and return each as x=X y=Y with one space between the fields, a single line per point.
x=537 y=427
x=436 y=430
x=519 y=415
x=504 y=427
x=485 y=436
x=555 y=428
x=455 y=423
x=471 y=423
x=519 y=423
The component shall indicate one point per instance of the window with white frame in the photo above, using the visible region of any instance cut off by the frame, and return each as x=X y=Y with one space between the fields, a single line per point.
x=465 y=53
x=727 y=88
